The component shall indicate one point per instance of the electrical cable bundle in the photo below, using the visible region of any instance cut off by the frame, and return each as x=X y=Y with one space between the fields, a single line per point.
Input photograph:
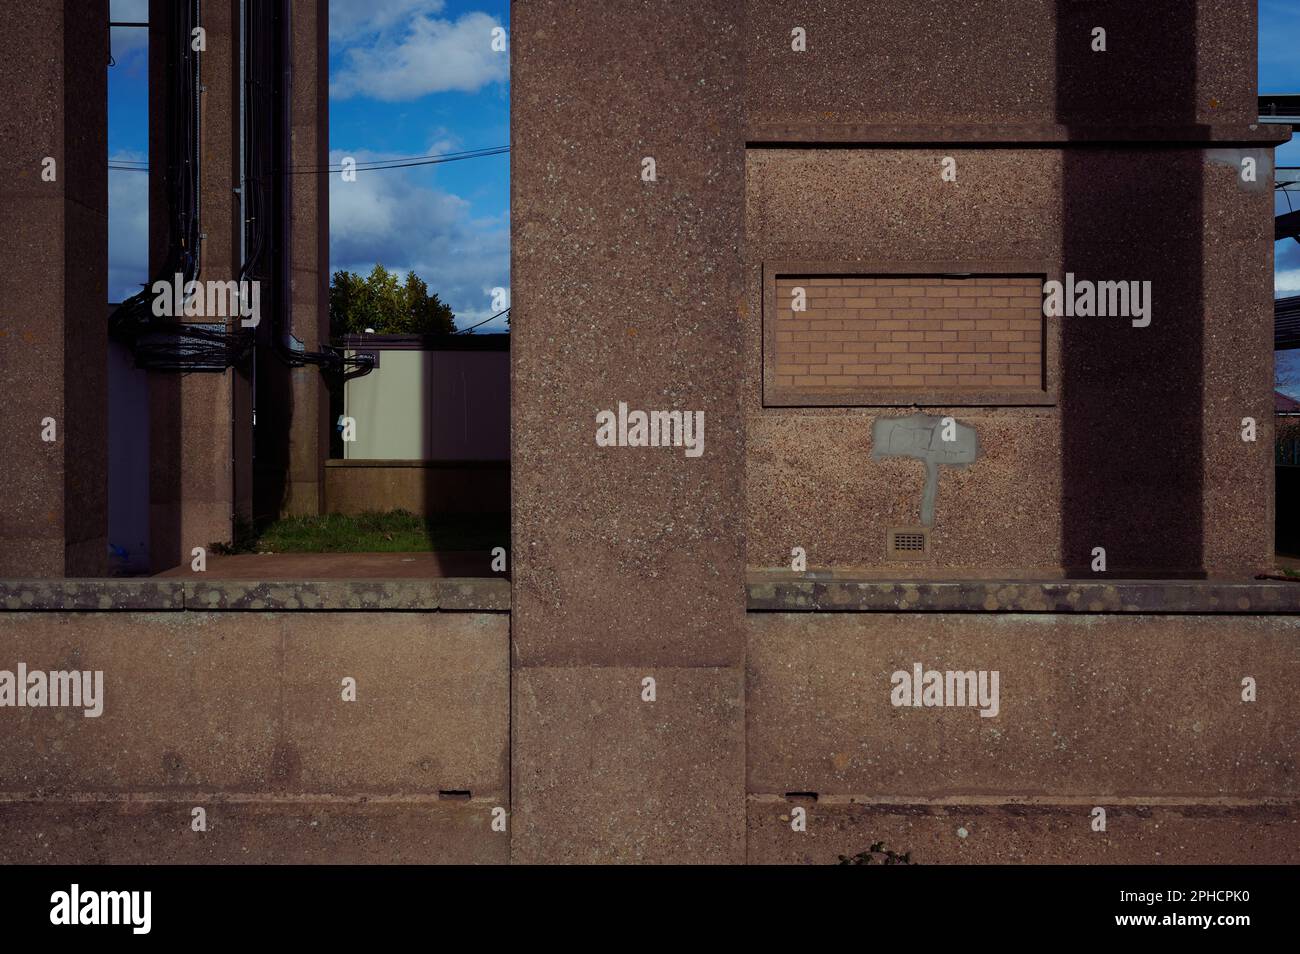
x=166 y=343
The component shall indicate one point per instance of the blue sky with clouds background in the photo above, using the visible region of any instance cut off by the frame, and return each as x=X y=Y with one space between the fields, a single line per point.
x=407 y=78
x=419 y=77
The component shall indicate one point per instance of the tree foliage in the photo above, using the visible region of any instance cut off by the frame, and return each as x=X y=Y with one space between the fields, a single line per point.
x=381 y=303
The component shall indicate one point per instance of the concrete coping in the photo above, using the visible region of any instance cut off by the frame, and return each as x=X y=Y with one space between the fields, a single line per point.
x=450 y=594
x=766 y=592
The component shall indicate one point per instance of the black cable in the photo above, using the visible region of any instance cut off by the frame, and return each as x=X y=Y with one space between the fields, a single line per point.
x=168 y=343
x=378 y=166
x=465 y=331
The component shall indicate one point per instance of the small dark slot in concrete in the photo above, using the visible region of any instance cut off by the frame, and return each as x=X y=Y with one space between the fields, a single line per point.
x=455 y=794
x=801 y=796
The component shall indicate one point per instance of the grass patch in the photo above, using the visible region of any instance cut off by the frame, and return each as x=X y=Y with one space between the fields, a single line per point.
x=396 y=531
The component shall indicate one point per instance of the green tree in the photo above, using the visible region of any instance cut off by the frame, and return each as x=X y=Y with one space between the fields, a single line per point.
x=379 y=302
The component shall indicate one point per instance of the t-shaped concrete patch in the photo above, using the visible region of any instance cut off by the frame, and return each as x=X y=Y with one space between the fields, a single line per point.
x=934 y=440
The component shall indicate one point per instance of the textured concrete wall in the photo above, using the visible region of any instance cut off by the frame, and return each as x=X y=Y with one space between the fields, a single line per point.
x=1140 y=715
x=53 y=334
x=1157 y=196
x=810 y=482
x=937 y=66
x=1067 y=160
x=1026 y=832
x=626 y=560
x=1132 y=705
x=242 y=713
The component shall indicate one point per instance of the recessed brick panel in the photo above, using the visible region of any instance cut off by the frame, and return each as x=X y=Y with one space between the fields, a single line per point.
x=913 y=335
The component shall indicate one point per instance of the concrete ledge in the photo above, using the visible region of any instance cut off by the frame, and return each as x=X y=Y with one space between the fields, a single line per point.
x=98 y=595
x=782 y=591
x=157 y=830
x=1025 y=833
x=453 y=594
x=479 y=594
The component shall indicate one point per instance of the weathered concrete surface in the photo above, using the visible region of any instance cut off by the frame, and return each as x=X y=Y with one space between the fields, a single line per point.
x=308 y=438
x=27 y=595
x=909 y=65
x=625 y=290
x=1118 y=705
x=1026 y=833
x=327 y=582
x=151 y=830
x=610 y=778
x=1051 y=483
x=429 y=594
x=787 y=591
x=251 y=702
x=53 y=337
x=432 y=709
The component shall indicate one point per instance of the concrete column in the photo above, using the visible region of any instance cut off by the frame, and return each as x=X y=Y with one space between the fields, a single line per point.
x=309 y=255
x=53 y=330
x=192 y=474
x=628 y=561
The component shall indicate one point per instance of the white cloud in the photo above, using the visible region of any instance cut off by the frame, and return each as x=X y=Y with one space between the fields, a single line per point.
x=1286 y=282
x=128 y=229
x=425 y=55
x=350 y=19
x=390 y=217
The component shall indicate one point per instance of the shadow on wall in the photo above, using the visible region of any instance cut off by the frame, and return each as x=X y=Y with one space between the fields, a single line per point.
x=1131 y=396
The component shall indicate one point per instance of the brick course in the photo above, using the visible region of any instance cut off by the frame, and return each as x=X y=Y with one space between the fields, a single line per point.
x=917 y=333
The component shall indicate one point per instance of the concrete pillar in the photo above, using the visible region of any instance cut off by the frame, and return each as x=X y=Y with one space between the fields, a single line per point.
x=53 y=329
x=628 y=561
x=191 y=448
x=309 y=254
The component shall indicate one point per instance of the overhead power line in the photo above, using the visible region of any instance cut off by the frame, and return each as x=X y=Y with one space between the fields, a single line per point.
x=126 y=165
x=465 y=331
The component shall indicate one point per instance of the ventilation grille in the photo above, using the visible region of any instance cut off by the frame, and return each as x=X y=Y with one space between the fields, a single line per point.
x=908 y=543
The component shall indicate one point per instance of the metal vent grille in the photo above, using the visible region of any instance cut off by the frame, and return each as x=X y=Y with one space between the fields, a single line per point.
x=908 y=543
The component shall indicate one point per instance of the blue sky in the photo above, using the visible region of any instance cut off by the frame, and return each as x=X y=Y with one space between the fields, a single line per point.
x=418 y=78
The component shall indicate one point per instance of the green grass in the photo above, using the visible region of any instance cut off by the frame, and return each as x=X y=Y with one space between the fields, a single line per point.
x=396 y=531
